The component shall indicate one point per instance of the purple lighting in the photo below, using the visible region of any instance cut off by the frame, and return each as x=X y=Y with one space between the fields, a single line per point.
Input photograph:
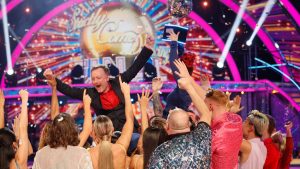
x=64 y=6
x=291 y=9
x=261 y=34
x=11 y=5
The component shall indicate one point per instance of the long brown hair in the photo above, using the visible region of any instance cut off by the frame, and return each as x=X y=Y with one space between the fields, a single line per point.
x=152 y=138
x=44 y=138
x=7 y=153
x=103 y=129
x=63 y=132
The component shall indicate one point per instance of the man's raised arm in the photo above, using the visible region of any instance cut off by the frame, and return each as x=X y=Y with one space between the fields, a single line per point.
x=65 y=89
x=139 y=62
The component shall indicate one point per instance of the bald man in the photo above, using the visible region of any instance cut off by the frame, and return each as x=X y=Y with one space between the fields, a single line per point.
x=178 y=122
x=185 y=148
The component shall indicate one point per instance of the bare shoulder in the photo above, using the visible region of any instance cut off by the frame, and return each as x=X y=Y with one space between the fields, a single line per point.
x=93 y=150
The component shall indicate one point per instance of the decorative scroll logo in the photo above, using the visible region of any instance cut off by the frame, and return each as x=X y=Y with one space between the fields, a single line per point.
x=114 y=28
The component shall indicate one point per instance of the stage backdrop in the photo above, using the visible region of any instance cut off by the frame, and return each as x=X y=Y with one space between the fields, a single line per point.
x=98 y=32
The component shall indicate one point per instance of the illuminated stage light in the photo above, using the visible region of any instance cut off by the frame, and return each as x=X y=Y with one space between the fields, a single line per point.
x=249 y=43
x=220 y=64
x=276 y=45
x=11 y=79
x=10 y=72
x=262 y=18
x=6 y=37
x=218 y=73
x=232 y=33
x=39 y=70
x=205 y=3
x=27 y=10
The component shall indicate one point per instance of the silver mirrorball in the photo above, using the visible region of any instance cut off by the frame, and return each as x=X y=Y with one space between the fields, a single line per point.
x=180 y=8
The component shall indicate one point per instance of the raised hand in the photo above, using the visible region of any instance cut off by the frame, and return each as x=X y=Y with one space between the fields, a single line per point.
x=185 y=83
x=125 y=88
x=156 y=84
x=50 y=77
x=144 y=99
x=182 y=70
x=288 y=126
x=16 y=127
x=86 y=98
x=48 y=74
x=2 y=99
x=204 y=80
x=235 y=105
x=173 y=36
x=24 y=95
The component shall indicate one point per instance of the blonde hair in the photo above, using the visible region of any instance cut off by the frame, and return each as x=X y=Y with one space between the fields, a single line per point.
x=217 y=96
x=279 y=139
x=103 y=129
x=260 y=122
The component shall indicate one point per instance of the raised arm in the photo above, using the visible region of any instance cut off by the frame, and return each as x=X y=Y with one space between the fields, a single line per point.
x=186 y=84
x=143 y=101
x=157 y=106
x=128 y=126
x=2 y=101
x=287 y=153
x=88 y=121
x=67 y=90
x=54 y=111
x=139 y=62
x=235 y=105
x=22 y=152
x=173 y=52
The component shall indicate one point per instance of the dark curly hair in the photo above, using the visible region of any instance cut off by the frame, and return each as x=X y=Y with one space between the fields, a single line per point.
x=63 y=132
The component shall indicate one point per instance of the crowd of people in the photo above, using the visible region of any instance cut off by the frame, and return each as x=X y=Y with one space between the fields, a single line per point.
x=214 y=136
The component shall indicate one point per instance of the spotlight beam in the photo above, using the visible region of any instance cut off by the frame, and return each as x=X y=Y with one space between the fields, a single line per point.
x=261 y=67
x=6 y=38
x=232 y=33
x=279 y=71
x=22 y=46
x=262 y=19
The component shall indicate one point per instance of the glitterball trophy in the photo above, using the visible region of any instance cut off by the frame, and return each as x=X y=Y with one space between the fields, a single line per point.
x=180 y=8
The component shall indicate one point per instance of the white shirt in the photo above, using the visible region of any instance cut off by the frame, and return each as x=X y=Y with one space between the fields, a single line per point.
x=257 y=156
x=72 y=157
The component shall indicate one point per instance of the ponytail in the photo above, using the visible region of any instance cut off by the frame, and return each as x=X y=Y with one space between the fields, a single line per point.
x=105 y=156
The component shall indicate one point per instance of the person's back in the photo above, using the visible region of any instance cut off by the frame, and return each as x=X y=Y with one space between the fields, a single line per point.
x=118 y=152
x=190 y=150
x=257 y=156
x=226 y=141
x=62 y=158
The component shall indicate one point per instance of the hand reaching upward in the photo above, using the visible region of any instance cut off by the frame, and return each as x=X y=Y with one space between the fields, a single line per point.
x=144 y=99
x=173 y=36
x=125 y=88
x=235 y=105
x=182 y=69
x=156 y=84
x=86 y=98
x=50 y=77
